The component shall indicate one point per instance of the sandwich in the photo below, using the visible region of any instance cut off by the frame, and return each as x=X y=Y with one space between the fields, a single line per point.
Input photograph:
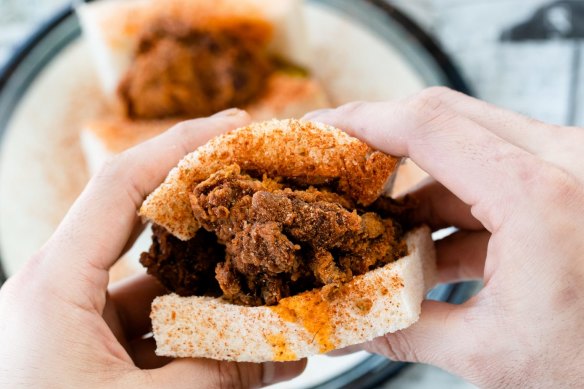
x=276 y=241
x=119 y=31
x=160 y=62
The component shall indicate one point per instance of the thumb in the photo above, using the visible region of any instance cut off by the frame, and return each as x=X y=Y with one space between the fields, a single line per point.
x=437 y=338
x=208 y=373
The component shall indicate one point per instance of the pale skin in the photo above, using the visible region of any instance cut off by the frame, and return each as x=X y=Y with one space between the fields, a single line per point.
x=511 y=185
x=60 y=326
x=514 y=188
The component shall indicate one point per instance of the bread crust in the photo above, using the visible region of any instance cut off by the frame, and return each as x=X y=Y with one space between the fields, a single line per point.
x=383 y=300
x=284 y=148
x=113 y=27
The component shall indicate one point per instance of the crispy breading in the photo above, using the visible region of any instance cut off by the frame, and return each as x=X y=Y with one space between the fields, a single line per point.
x=312 y=153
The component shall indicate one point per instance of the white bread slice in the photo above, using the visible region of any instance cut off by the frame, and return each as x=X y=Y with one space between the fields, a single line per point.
x=381 y=301
x=285 y=96
x=112 y=27
x=287 y=148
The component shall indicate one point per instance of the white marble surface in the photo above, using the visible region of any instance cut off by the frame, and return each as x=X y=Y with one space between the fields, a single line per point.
x=18 y=18
x=536 y=78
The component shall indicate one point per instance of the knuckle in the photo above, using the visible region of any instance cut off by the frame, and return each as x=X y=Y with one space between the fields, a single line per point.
x=551 y=184
x=114 y=168
x=563 y=187
x=430 y=98
x=440 y=93
x=526 y=178
x=182 y=129
x=431 y=109
x=126 y=172
x=353 y=108
x=185 y=131
x=562 y=150
x=543 y=191
x=395 y=346
x=120 y=171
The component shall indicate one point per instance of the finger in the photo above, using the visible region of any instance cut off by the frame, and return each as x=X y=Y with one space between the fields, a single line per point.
x=143 y=354
x=439 y=208
x=522 y=131
x=440 y=336
x=461 y=256
x=111 y=199
x=132 y=299
x=480 y=168
x=97 y=227
x=552 y=143
x=194 y=373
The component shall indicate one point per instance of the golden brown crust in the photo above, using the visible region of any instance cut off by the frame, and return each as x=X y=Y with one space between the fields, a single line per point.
x=278 y=148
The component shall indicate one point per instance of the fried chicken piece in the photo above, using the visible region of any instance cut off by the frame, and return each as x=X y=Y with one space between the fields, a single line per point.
x=263 y=248
x=281 y=241
x=186 y=268
x=182 y=72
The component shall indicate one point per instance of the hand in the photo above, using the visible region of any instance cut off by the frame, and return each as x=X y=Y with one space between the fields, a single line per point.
x=514 y=189
x=59 y=327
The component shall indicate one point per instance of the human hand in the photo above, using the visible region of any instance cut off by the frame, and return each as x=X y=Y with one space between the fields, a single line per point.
x=59 y=327
x=513 y=187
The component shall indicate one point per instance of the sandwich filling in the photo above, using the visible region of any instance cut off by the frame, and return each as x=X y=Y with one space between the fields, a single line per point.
x=181 y=71
x=265 y=239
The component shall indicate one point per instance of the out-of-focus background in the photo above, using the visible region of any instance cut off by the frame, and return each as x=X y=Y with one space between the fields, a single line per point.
x=525 y=55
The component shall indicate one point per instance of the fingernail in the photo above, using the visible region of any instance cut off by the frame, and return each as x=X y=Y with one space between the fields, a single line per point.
x=273 y=372
x=317 y=113
x=228 y=112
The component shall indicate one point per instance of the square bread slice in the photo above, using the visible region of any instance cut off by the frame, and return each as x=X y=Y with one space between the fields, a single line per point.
x=383 y=300
x=112 y=27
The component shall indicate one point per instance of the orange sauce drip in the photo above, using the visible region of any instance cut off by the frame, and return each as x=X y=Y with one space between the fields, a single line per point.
x=313 y=312
x=281 y=350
